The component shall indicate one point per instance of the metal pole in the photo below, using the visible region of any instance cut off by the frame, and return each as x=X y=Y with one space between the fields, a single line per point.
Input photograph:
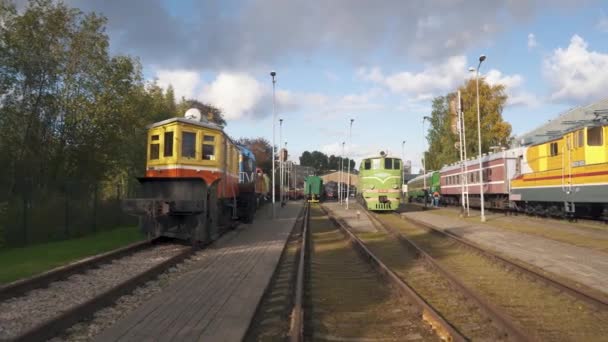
x=286 y=172
x=483 y=216
x=466 y=168
x=402 y=170
x=340 y=189
x=459 y=117
x=274 y=119
x=424 y=165
x=350 y=146
x=281 y=161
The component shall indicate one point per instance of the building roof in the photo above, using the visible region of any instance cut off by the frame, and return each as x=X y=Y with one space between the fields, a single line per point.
x=569 y=120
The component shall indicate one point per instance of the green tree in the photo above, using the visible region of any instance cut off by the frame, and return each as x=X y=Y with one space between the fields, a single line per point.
x=494 y=130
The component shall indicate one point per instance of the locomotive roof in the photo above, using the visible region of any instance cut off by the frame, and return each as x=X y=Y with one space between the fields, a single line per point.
x=570 y=120
x=209 y=125
x=511 y=153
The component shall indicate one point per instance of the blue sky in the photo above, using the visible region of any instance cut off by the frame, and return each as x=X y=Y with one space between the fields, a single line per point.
x=377 y=62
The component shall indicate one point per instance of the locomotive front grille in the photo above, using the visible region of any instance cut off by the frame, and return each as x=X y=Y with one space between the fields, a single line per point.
x=383 y=206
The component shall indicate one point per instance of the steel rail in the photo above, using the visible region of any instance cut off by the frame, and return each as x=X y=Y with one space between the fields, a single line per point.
x=582 y=294
x=20 y=287
x=443 y=329
x=56 y=325
x=296 y=330
x=503 y=320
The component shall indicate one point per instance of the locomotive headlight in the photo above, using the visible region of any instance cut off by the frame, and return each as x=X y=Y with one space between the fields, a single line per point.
x=395 y=186
x=372 y=187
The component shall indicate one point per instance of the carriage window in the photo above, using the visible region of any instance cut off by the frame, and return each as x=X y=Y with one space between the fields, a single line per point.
x=554 y=150
x=168 y=144
x=367 y=164
x=188 y=144
x=594 y=136
x=208 y=147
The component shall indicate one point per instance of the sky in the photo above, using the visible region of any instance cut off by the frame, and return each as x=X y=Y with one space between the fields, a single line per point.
x=377 y=62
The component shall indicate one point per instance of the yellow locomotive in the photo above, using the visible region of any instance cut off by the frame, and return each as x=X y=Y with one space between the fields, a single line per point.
x=198 y=180
x=565 y=175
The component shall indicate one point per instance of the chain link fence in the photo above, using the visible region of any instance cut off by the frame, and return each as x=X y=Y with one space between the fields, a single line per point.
x=71 y=209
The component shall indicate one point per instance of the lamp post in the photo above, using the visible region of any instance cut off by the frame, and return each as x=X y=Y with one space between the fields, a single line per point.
x=483 y=216
x=424 y=118
x=286 y=169
x=280 y=161
x=274 y=119
x=402 y=169
x=350 y=146
x=340 y=188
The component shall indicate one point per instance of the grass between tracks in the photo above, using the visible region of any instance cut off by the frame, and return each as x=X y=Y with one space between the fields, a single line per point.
x=17 y=263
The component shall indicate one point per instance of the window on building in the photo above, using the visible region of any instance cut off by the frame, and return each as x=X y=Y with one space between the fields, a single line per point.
x=168 y=144
x=208 y=147
x=367 y=164
x=188 y=144
x=554 y=150
x=594 y=136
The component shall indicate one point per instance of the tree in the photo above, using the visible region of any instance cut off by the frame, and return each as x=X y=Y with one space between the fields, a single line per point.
x=212 y=113
x=262 y=149
x=494 y=131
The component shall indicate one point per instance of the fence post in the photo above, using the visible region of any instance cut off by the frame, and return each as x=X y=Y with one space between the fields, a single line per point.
x=66 y=210
x=95 y=208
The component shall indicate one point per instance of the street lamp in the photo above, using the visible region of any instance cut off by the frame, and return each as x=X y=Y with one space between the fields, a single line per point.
x=280 y=161
x=424 y=118
x=340 y=188
x=274 y=119
x=483 y=216
x=350 y=146
x=402 y=168
x=286 y=169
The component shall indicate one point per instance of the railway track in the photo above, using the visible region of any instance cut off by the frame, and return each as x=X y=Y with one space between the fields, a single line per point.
x=342 y=292
x=42 y=307
x=544 y=309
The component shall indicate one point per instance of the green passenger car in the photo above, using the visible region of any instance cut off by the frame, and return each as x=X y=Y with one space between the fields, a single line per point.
x=380 y=180
x=313 y=188
x=415 y=187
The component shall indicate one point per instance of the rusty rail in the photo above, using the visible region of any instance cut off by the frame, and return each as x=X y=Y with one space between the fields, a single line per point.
x=296 y=331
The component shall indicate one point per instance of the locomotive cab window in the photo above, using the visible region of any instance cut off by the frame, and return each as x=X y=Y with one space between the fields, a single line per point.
x=554 y=150
x=188 y=144
x=397 y=164
x=367 y=164
x=168 y=152
x=388 y=163
x=155 y=147
x=594 y=136
x=376 y=164
x=208 y=147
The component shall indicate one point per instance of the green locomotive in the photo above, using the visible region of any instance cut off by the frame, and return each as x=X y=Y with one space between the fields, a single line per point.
x=313 y=188
x=415 y=187
x=380 y=182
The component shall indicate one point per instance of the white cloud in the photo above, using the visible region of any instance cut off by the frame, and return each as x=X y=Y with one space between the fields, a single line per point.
x=512 y=83
x=602 y=24
x=236 y=94
x=184 y=82
x=531 y=41
x=431 y=81
x=576 y=73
